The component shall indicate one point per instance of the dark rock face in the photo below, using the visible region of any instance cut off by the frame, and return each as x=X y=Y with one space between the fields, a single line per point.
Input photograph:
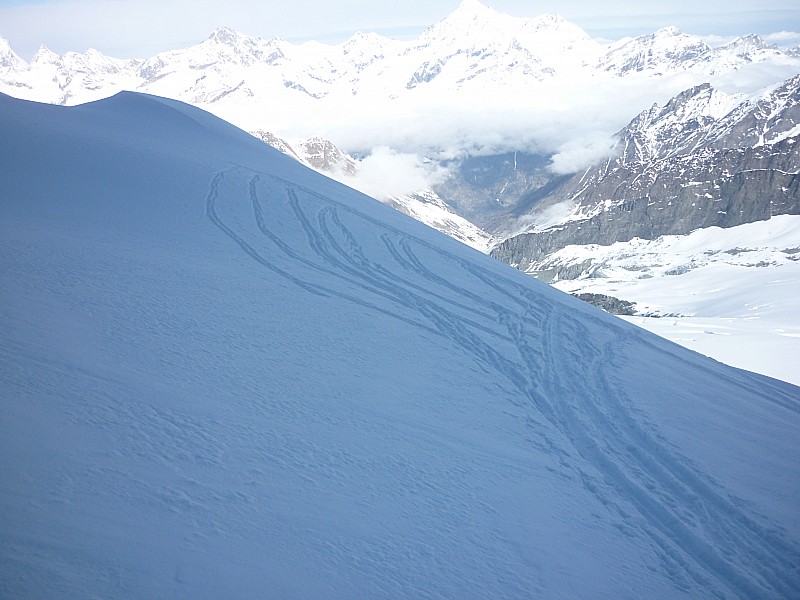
x=678 y=172
x=610 y=304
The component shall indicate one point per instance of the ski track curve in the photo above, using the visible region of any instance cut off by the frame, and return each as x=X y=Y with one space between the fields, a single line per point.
x=250 y=250
x=713 y=544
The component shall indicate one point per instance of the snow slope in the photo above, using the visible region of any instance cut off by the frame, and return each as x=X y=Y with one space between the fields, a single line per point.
x=733 y=294
x=225 y=375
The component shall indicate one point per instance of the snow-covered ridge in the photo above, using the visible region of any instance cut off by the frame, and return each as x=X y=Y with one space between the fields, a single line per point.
x=225 y=375
x=232 y=73
x=762 y=244
x=706 y=117
x=669 y=50
x=701 y=201
x=661 y=52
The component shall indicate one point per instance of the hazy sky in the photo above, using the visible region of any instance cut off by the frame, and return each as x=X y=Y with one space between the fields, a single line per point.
x=141 y=28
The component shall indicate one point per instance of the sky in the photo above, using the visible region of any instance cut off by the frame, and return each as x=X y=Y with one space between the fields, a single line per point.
x=141 y=28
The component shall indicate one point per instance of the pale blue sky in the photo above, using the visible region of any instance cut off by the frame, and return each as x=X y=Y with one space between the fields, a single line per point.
x=140 y=28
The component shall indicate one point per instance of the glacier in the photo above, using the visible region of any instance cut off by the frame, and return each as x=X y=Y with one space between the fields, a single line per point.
x=226 y=375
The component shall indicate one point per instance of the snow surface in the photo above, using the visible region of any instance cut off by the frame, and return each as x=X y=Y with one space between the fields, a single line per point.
x=224 y=375
x=733 y=294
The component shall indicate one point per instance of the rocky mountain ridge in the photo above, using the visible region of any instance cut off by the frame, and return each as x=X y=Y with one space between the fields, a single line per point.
x=704 y=159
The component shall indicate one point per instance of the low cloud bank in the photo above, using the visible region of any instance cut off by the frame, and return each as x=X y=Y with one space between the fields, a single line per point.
x=575 y=123
x=581 y=152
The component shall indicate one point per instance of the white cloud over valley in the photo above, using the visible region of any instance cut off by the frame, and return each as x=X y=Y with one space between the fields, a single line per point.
x=385 y=173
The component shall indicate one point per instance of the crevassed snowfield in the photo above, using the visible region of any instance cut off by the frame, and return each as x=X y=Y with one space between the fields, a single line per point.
x=224 y=375
x=732 y=294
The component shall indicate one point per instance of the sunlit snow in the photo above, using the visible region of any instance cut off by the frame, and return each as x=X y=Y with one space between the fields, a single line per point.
x=733 y=294
x=226 y=376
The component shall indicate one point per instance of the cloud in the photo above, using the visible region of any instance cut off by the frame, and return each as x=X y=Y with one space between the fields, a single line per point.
x=753 y=77
x=581 y=152
x=783 y=39
x=572 y=122
x=386 y=173
x=537 y=121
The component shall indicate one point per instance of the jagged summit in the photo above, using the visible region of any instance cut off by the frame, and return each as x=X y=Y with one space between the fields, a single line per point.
x=8 y=58
x=666 y=50
x=748 y=43
x=474 y=20
x=471 y=17
x=667 y=31
x=45 y=56
x=225 y=35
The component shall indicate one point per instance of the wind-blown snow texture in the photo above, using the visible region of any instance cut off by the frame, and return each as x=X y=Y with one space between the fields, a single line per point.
x=225 y=375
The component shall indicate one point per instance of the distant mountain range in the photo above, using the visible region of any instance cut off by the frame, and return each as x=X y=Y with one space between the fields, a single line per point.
x=474 y=50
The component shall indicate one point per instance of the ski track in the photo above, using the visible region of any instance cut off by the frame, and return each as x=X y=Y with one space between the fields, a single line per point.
x=714 y=545
x=211 y=212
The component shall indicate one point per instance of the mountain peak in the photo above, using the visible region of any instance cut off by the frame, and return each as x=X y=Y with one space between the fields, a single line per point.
x=668 y=31
x=471 y=7
x=225 y=35
x=746 y=44
x=9 y=58
x=470 y=12
x=44 y=56
x=550 y=19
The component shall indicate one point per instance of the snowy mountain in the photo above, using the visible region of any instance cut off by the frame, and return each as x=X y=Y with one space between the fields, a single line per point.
x=316 y=153
x=478 y=45
x=230 y=66
x=428 y=207
x=9 y=61
x=507 y=109
x=470 y=91
x=474 y=53
x=669 y=50
x=225 y=374
x=704 y=159
x=733 y=294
